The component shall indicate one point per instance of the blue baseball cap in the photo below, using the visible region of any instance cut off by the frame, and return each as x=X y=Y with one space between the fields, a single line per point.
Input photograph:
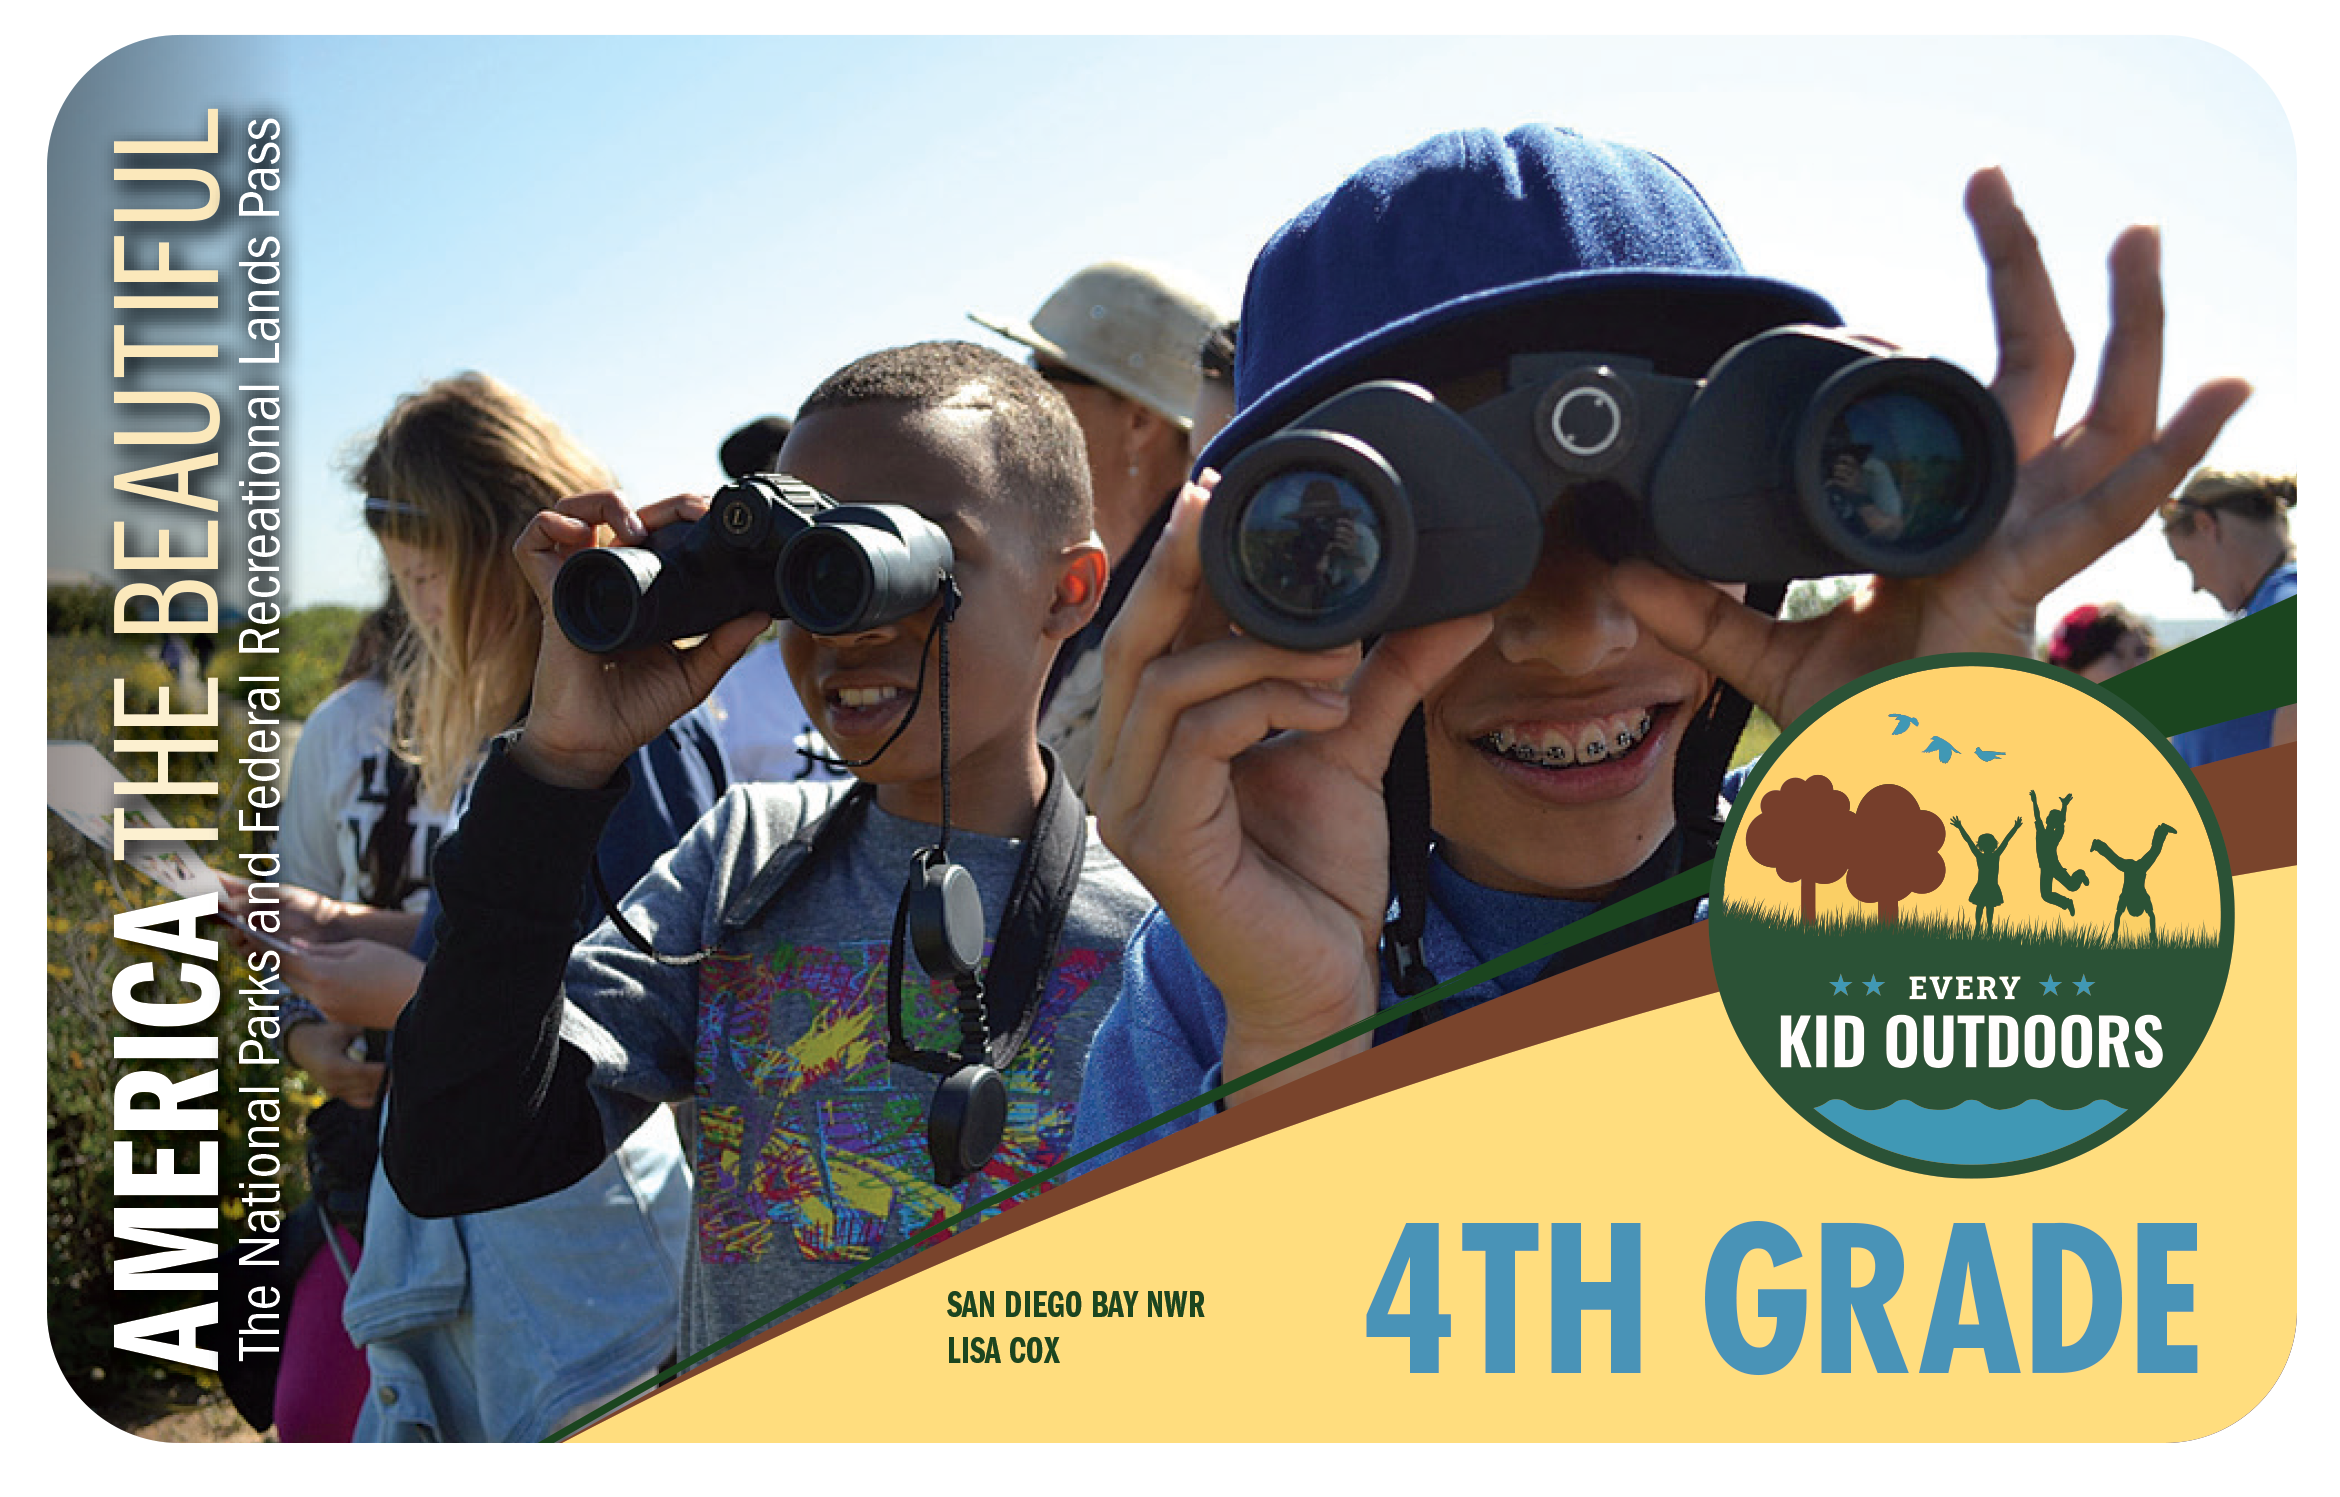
x=1471 y=246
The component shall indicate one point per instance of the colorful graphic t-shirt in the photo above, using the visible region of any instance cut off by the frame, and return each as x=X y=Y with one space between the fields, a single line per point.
x=810 y=1155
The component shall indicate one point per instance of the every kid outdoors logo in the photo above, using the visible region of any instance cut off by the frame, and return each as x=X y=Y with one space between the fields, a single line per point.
x=1973 y=918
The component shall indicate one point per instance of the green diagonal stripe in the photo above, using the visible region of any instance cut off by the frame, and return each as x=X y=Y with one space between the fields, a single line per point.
x=2247 y=666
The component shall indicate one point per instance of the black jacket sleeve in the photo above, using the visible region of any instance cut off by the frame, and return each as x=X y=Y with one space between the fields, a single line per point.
x=488 y=1106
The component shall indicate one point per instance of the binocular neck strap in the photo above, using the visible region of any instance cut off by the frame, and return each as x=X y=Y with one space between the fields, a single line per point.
x=1405 y=794
x=1709 y=740
x=942 y=699
x=1032 y=926
x=899 y=1050
x=1024 y=951
x=949 y=588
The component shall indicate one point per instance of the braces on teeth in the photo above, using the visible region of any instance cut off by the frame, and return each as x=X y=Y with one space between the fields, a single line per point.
x=1590 y=743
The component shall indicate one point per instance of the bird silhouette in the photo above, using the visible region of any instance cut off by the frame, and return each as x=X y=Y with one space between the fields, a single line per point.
x=1987 y=755
x=1941 y=746
x=1907 y=722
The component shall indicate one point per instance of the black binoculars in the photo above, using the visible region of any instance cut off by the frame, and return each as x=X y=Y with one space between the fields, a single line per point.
x=766 y=544
x=1804 y=452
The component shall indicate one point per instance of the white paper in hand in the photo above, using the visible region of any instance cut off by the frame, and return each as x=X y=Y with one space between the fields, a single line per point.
x=81 y=789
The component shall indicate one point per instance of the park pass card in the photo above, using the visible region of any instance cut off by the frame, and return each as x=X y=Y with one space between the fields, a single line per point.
x=1958 y=1101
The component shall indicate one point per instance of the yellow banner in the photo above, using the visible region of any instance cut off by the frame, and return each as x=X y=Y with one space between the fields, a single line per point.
x=1250 y=1273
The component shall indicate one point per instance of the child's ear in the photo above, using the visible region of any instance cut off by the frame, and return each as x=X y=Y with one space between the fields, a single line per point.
x=1080 y=587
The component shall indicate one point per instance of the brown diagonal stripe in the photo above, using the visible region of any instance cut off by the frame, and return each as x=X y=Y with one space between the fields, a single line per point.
x=2255 y=798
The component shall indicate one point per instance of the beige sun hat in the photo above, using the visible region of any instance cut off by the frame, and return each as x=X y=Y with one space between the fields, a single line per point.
x=1134 y=328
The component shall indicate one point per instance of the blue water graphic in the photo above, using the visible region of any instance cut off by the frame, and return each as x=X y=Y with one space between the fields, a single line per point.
x=1971 y=1133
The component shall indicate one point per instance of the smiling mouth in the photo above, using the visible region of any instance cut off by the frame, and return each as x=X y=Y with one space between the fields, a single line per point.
x=860 y=697
x=1577 y=744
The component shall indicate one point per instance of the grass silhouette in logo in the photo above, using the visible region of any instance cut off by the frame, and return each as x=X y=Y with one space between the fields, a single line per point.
x=1836 y=932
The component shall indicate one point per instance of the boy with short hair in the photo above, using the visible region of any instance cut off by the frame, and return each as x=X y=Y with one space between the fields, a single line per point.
x=1121 y=341
x=1271 y=860
x=811 y=1144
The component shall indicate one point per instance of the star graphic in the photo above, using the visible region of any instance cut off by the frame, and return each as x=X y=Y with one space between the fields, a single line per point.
x=2049 y=985
x=1840 y=985
x=1875 y=986
x=2082 y=986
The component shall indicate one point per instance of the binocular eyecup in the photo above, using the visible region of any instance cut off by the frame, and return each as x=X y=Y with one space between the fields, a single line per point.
x=768 y=543
x=1804 y=452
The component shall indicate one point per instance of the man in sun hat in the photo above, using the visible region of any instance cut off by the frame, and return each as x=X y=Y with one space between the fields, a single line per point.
x=1122 y=342
x=1271 y=856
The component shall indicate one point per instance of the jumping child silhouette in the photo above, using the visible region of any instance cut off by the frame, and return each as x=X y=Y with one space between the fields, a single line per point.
x=1986 y=896
x=2047 y=835
x=2134 y=900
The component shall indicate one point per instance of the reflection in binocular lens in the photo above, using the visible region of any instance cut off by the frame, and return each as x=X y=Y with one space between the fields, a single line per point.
x=1898 y=471
x=1309 y=544
x=828 y=582
x=607 y=603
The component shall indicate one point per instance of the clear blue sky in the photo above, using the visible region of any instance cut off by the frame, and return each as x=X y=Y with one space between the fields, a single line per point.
x=659 y=238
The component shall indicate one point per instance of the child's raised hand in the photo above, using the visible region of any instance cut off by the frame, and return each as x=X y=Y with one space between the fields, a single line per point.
x=2077 y=493
x=587 y=713
x=1270 y=858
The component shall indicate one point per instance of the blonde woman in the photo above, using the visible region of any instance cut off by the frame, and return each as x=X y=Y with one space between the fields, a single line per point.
x=506 y=1324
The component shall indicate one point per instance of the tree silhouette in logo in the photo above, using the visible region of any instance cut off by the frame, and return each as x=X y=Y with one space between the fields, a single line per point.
x=1896 y=851
x=1805 y=834
x=2134 y=900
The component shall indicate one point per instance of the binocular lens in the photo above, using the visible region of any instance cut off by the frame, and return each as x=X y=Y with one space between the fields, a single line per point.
x=825 y=580
x=860 y=566
x=598 y=598
x=1900 y=471
x=1309 y=544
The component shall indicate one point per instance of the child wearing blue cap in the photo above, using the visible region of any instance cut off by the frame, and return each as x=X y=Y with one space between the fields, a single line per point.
x=1576 y=735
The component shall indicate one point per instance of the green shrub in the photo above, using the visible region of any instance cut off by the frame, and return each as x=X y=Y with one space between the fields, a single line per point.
x=79 y=608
